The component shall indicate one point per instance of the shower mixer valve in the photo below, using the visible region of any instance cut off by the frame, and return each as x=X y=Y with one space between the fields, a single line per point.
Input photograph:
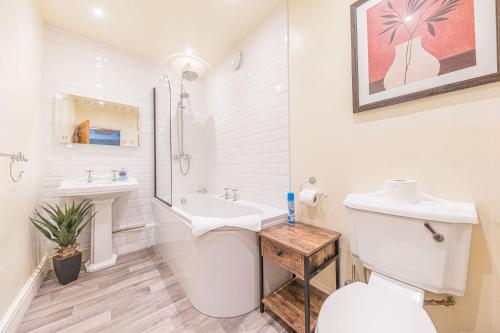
x=181 y=156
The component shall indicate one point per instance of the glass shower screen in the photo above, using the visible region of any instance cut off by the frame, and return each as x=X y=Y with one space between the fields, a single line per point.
x=162 y=143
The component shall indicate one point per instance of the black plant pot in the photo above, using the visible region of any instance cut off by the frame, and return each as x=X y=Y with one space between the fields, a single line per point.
x=67 y=269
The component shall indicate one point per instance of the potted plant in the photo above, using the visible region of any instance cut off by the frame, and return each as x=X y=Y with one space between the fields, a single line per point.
x=63 y=228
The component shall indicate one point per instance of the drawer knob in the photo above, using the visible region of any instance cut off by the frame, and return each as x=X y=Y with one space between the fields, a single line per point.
x=279 y=252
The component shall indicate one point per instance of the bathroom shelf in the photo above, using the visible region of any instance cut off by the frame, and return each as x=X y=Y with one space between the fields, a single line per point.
x=304 y=250
x=288 y=304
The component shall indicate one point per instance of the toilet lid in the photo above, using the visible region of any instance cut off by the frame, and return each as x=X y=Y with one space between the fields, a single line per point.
x=363 y=308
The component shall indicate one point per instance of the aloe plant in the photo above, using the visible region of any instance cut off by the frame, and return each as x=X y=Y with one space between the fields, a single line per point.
x=63 y=226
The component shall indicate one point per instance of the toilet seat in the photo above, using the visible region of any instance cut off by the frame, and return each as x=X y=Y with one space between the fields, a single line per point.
x=383 y=305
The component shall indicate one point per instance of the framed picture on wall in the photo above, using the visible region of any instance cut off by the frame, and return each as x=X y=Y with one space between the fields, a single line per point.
x=404 y=50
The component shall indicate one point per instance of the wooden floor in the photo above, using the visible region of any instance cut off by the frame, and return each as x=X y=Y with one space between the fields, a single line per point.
x=139 y=294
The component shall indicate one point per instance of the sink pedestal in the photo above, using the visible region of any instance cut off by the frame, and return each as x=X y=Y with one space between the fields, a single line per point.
x=101 y=238
x=102 y=190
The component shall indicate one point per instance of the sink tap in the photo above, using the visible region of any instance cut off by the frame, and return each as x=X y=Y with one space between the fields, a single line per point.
x=226 y=193
x=235 y=194
x=89 y=178
x=114 y=175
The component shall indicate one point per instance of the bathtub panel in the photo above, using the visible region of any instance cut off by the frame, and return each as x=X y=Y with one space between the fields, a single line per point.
x=219 y=270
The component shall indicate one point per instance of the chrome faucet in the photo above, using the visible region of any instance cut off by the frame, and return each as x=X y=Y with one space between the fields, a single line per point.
x=114 y=175
x=235 y=194
x=226 y=193
x=89 y=178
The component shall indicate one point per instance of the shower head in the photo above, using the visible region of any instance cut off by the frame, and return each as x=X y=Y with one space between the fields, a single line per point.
x=189 y=74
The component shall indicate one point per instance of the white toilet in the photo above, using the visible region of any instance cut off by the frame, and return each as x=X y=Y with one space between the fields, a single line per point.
x=406 y=257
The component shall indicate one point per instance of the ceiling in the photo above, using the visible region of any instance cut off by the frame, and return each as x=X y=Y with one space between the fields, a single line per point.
x=156 y=29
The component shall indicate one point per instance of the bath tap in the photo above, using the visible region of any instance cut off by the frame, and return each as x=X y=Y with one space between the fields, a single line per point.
x=235 y=194
x=226 y=193
x=89 y=178
x=113 y=178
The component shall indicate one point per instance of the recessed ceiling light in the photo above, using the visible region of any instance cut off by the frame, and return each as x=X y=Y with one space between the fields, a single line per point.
x=101 y=58
x=98 y=12
x=189 y=51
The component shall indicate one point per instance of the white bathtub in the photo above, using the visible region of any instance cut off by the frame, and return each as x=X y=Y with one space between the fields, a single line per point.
x=219 y=270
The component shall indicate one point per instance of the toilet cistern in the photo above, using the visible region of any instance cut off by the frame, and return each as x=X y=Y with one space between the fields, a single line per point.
x=412 y=242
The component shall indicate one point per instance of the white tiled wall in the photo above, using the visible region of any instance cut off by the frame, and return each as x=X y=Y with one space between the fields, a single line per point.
x=236 y=122
x=248 y=148
x=80 y=66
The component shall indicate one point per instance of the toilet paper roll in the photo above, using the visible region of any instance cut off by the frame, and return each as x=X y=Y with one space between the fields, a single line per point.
x=402 y=191
x=309 y=197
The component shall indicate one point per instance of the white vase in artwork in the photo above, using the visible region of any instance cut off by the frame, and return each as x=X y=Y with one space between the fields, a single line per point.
x=417 y=66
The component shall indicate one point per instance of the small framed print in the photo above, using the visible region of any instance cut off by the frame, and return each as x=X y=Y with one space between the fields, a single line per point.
x=405 y=50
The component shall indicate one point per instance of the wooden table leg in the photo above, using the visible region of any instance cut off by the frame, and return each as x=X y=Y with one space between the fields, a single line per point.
x=307 y=307
x=261 y=278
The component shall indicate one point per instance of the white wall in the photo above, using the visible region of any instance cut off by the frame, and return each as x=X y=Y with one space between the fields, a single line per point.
x=448 y=142
x=20 y=103
x=71 y=65
x=250 y=147
x=236 y=122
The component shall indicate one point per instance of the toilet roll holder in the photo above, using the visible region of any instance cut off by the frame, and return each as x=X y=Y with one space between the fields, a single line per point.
x=313 y=181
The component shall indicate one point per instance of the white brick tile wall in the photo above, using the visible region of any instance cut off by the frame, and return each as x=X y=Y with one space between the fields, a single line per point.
x=70 y=67
x=236 y=123
x=250 y=148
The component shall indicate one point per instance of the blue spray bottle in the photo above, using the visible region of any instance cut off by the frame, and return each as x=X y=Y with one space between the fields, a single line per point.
x=291 y=208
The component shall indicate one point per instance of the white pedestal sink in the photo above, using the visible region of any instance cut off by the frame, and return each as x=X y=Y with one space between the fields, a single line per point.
x=102 y=191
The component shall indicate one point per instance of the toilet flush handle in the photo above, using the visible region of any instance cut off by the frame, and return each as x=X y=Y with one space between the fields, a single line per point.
x=435 y=235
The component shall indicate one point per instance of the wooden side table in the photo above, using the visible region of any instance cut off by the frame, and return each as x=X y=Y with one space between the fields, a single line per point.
x=304 y=250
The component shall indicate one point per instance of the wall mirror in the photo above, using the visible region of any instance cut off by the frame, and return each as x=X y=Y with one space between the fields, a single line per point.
x=84 y=120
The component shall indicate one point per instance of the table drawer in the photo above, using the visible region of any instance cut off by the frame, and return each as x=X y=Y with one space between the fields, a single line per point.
x=294 y=261
x=322 y=256
x=283 y=256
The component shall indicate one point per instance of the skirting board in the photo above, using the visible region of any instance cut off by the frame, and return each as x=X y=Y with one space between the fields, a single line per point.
x=323 y=286
x=15 y=313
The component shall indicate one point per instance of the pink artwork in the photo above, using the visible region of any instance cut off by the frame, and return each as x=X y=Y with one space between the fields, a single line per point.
x=413 y=40
x=419 y=43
